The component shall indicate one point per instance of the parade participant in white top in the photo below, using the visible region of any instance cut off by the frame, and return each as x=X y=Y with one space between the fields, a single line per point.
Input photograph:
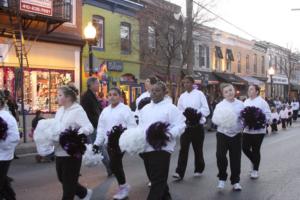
x=157 y=160
x=8 y=142
x=148 y=85
x=71 y=114
x=252 y=139
x=194 y=133
x=115 y=114
x=226 y=117
x=295 y=106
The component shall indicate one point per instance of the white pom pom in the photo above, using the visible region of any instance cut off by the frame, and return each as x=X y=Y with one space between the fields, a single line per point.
x=133 y=141
x=90 y=159
x=224 y=117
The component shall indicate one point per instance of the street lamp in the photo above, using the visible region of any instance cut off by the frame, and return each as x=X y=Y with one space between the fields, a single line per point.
x=271 y=73
x=90 y=36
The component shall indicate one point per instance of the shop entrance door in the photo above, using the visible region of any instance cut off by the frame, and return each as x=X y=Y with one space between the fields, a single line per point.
x=130 y=93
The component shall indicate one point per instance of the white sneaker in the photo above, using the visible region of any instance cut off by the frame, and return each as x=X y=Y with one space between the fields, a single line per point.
x=149 y=184
x=254 y=174
x=123 y=192
x=88 y=194
x=237 y=187
x=177 y=176
x=198 y=174
x=221 y=185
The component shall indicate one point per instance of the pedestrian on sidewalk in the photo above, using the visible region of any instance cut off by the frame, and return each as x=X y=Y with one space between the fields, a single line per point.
x=157 y=159
x=93 y=109
x=290 y=115
x=252 y=139
x=8 y=141
x=229 y=138
x=295 y=106
x=71 y=114
x=116 y=114
x=275 y=120
x=283 y=114
x=192 y=100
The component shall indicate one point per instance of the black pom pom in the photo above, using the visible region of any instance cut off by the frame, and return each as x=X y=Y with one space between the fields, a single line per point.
x=3 y=129
x=144 y=102
x=253 y=118
x=73 y=143
x=156 y=135
x=192 y=116
x=113 y=138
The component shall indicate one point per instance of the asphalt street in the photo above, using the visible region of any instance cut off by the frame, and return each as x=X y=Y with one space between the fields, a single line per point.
x=279 y=175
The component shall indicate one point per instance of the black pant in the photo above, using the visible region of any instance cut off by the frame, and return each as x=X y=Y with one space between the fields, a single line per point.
x=6 y=191
x=194 y=135
x=283 y=123
x=68 y=169
x=157 y=165
x=295 y=114
x=274 y=127
x=251 y=148
x=289 y=121
x=234 y=146
x=116 y=165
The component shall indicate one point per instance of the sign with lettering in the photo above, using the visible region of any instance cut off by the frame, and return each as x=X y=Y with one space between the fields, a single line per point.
x=278 y=80
x=114 y=66
x=42 y=7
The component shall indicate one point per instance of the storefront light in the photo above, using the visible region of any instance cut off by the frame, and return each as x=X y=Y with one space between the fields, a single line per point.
x=90 y=32
x=271 y=71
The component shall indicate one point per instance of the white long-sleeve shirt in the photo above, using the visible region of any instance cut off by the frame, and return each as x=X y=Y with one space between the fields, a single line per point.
x=295 y=105
x=74 y=117
x=165 y=112
x=194 y=99
x=237 y=106
x=283 y=114
x=264 y=106
x=274 y=115
x=8 y=146
x=110 y=117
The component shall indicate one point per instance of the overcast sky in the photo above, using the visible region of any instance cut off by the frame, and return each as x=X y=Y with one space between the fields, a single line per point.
x=270 y=20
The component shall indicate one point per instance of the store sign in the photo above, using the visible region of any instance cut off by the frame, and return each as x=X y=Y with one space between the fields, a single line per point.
x=115 y=66
x=42 y=7
x=278 y=80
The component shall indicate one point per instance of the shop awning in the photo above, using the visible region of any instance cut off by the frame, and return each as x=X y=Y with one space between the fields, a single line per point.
x=230 y=78
x=207 y=78
x=295 y=86
x=263 y=79
x=252 y=80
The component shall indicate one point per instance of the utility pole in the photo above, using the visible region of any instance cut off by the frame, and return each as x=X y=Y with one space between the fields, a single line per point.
x=189 y=36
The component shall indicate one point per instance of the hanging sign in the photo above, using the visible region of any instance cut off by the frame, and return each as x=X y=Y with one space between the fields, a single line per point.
x=42 y=7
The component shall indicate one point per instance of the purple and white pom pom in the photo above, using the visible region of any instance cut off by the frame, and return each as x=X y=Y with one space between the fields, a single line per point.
x=253 y=118
x=192 y=116
x=113 y=138
x=72 y=142
x=3 y=129
x=157 y=135
x=91 y=159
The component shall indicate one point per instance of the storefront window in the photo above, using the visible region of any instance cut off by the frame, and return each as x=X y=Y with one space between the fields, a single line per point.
x=7 y=79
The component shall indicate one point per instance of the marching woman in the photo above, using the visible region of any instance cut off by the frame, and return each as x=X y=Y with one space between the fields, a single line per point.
x=193 y=104
x=71 y=115
x=113 y=120
x=162 y=122
x=9 y=138
x=226 y=117
x=253 y=136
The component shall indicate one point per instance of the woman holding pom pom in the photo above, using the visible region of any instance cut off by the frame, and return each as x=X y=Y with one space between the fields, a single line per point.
x=74 y=126
x=193 y=104
x=9 y=138
x=113 y=120
x=226 y=117
x=255 y=131
x=162 y=122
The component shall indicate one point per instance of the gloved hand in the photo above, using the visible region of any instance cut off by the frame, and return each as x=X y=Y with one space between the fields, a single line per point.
x=96 y=148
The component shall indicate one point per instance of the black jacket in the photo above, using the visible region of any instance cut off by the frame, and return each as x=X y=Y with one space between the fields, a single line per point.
x=91 y=106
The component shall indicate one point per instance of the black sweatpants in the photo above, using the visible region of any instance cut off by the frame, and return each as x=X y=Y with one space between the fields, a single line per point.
x=295 y=115
x=283 y=123
x=289 y=121
x=116 y=165
x=234 y=146
x=6 y=191
x=251 y=147
x=157 y=165
x=68 y=170
x=194 y=135
x=274 y=127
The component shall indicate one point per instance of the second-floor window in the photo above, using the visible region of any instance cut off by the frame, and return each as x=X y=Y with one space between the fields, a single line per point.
x=255 y=64
x=247 y=64
x=239 y=66
x=263 y=68
x=229 y=59
x=203 y=56
x=275 y=62
x=98 y=23
x=151 y=37
x=270 y=61
x=125 y=35
x=218 y=58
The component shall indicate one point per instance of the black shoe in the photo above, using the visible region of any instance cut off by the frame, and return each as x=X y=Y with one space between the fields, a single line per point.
x=16 y=157
x=177 y=177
